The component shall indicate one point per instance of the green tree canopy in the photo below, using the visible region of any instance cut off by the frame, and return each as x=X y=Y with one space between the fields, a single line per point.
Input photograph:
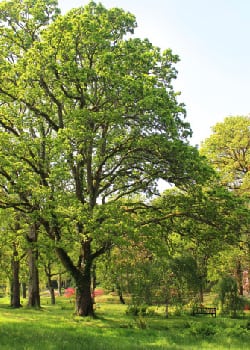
x=228 y=150
x=88 y=116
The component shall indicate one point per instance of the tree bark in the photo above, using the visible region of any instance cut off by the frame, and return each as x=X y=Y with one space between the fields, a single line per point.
x=82 y=277
x=33 y=288
x=15 y=283
x=84 y=301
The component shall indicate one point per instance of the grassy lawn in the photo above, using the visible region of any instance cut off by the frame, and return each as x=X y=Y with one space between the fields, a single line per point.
x=57 y=328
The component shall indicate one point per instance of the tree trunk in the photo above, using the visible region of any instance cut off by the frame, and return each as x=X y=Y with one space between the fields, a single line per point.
x=15 y=283
x=119 y=290
x=51 y=292
x=59 y=281
x=201 y=293
x=166 y=309
x=33 y=288
x=82 y=277
x=84 y=301
x=52 y=296
x=48 y=272
x=239 y=276
x=122 y=300
x=24 y=290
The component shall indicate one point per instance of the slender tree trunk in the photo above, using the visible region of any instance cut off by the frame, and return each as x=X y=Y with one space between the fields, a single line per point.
x=48 y=272
x=24 y=290
x=202 y=266
x=52 y=296
x=119 y=290
x=239 y=276
x=59 y=281
x=201 y=293
x=15 y=283
x=166 y=309
x=52 y=292
x=33 y=288
x=15 y=286
x=167 y=301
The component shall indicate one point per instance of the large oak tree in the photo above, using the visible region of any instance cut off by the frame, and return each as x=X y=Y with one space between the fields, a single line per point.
x=88 y=117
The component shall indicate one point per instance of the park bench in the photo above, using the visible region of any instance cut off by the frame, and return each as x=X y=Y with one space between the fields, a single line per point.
x=204 y=310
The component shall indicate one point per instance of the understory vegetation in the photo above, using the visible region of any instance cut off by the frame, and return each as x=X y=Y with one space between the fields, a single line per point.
x=57 y=327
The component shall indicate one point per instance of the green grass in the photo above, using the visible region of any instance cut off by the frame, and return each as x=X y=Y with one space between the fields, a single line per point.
x=57 y=328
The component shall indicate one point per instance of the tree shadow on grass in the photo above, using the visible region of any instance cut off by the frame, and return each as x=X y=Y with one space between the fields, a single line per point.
x=56 y=329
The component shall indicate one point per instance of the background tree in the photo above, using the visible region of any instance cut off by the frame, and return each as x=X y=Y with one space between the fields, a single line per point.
x=174 y=238
x=21 y=25
x=13 y=253
x=202 y=221
x=228 y=151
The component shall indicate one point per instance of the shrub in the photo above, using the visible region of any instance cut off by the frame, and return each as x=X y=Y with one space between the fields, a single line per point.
x=178 y=310
x=141 y=322
x=151 y=312
x=248 y=325
x=203 y=330
x=136 y=310
x=236 y=331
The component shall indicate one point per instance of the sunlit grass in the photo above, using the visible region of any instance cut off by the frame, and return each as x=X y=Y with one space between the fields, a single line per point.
x=57 y=328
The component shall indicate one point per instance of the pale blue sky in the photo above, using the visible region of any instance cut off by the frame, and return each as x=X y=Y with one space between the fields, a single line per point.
x=212 y=38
